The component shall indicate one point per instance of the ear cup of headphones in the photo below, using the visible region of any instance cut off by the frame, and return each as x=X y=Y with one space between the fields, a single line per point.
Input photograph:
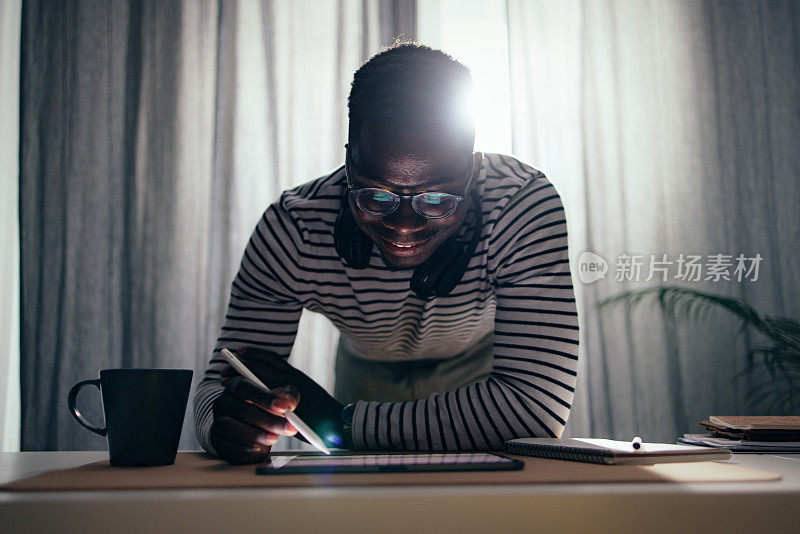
x=351 y=244
x=425 y=280
x=450 y=277
x=446 y=267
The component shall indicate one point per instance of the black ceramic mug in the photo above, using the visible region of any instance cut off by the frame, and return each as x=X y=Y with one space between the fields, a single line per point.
x=144 y=411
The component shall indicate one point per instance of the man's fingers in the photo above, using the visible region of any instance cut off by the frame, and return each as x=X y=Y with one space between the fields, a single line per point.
x=228 y=406
x=246 y=435
x=236 y=452
x=250 y=392
x=276 y=400
x=287 y=396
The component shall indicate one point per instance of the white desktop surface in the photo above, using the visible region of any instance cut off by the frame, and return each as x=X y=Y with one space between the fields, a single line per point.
x=758 y=507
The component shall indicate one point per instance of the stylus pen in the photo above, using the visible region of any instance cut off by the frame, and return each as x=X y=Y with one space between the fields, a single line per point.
x=290 y=416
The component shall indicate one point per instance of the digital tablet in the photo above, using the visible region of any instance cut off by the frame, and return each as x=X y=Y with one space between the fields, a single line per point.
x=389 y=463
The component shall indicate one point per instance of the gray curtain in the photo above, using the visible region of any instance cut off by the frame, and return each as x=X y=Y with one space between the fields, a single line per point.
x=669 y=127
x=153 y=135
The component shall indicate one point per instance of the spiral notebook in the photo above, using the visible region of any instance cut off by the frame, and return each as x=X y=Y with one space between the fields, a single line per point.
x=607 y=451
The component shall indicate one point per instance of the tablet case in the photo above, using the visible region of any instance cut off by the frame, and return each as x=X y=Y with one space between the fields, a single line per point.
x=389 y=463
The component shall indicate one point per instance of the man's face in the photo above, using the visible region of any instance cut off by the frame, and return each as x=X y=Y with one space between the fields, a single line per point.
x=408 y=162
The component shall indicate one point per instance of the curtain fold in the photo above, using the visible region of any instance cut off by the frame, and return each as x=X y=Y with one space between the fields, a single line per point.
x=670 y=127
x=153 y=136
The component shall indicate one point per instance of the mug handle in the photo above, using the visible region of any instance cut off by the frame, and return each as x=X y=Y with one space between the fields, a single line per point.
x=76 y=413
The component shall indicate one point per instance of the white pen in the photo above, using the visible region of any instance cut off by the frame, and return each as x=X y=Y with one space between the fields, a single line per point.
x=636 y=443
x=290 y=416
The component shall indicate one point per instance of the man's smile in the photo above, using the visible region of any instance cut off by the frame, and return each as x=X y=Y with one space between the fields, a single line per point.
x=397 y=248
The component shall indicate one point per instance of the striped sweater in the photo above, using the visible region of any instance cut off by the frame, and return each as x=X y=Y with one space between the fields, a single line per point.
x=517 y=286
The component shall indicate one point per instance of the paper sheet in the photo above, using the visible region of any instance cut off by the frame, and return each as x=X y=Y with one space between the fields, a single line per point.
x=627 y=446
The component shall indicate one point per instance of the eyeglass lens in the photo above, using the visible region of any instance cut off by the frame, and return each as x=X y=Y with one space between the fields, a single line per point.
x=380 y=202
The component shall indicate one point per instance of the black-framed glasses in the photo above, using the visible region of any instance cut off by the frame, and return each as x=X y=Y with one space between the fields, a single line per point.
x=380 y=202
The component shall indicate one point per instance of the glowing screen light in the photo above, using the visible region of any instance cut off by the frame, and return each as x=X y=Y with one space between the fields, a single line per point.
x=333 y=439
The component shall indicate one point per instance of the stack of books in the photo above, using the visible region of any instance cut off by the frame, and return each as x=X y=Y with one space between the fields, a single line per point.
x=749 y=433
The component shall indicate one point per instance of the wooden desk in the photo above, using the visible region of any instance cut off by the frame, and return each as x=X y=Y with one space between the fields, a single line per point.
x=760 y=507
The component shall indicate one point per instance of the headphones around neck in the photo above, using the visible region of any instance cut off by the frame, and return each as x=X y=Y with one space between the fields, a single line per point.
x=437 y=276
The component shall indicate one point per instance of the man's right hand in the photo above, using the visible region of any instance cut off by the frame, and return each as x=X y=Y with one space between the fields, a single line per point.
x=248 y=420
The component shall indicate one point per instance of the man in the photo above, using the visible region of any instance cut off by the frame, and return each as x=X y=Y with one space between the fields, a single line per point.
x=446 y=272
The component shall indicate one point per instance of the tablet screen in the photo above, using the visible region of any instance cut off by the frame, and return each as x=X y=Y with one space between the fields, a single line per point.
x=381 y=463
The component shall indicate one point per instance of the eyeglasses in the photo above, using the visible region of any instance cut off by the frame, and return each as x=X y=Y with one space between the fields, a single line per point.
x=382 y=202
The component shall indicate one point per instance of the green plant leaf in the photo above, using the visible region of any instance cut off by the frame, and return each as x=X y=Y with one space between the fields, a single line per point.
x=779 y=355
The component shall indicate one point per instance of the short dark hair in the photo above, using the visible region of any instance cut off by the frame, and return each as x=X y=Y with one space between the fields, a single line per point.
x=409 y=85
